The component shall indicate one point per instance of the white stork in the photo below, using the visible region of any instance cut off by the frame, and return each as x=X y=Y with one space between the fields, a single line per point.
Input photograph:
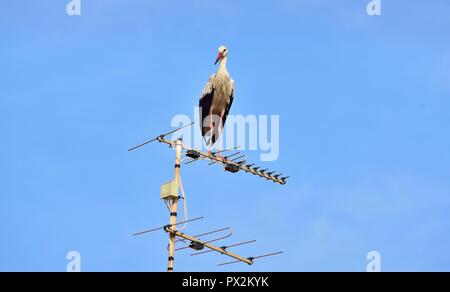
x=216 y=99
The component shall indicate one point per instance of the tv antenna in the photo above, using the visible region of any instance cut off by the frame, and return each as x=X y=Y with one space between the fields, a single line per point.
x=233 y=163
x=198 y=244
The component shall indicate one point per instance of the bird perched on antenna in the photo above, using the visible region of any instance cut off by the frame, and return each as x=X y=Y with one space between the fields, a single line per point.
x=215 y=100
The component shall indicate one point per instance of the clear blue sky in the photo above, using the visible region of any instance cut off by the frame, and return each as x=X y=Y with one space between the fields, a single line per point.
x=364 y=105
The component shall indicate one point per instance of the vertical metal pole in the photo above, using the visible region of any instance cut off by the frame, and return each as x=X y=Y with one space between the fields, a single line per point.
x=174 y=206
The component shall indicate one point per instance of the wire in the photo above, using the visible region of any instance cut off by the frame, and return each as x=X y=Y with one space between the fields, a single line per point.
x=167 y=202
x=185 y=212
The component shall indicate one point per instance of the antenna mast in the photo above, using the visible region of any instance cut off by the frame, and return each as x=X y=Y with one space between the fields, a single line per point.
x=174 y=205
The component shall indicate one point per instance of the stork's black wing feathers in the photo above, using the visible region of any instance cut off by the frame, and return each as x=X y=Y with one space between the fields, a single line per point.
x=205 y=103
x=227 y=110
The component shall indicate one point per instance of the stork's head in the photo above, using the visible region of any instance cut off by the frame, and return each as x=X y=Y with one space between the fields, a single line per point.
x=223 y=52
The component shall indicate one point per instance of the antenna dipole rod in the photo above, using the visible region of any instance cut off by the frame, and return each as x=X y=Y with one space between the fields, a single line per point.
x=174 y=206
x=162 y=227
x=159 y=137
x=142 y=144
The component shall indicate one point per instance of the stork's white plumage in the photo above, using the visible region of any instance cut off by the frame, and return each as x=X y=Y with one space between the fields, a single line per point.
x=216 y=99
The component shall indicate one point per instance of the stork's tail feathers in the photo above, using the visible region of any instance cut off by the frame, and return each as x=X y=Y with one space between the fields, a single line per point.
x=209 y=136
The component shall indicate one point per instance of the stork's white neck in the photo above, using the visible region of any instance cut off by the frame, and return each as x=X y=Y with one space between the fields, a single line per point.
x=223 y=65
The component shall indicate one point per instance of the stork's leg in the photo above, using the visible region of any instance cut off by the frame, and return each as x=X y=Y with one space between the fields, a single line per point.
x=220 y=134
x=210 y=132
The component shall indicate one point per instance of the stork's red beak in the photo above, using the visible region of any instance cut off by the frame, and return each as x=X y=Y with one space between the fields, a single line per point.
x=219 y=57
